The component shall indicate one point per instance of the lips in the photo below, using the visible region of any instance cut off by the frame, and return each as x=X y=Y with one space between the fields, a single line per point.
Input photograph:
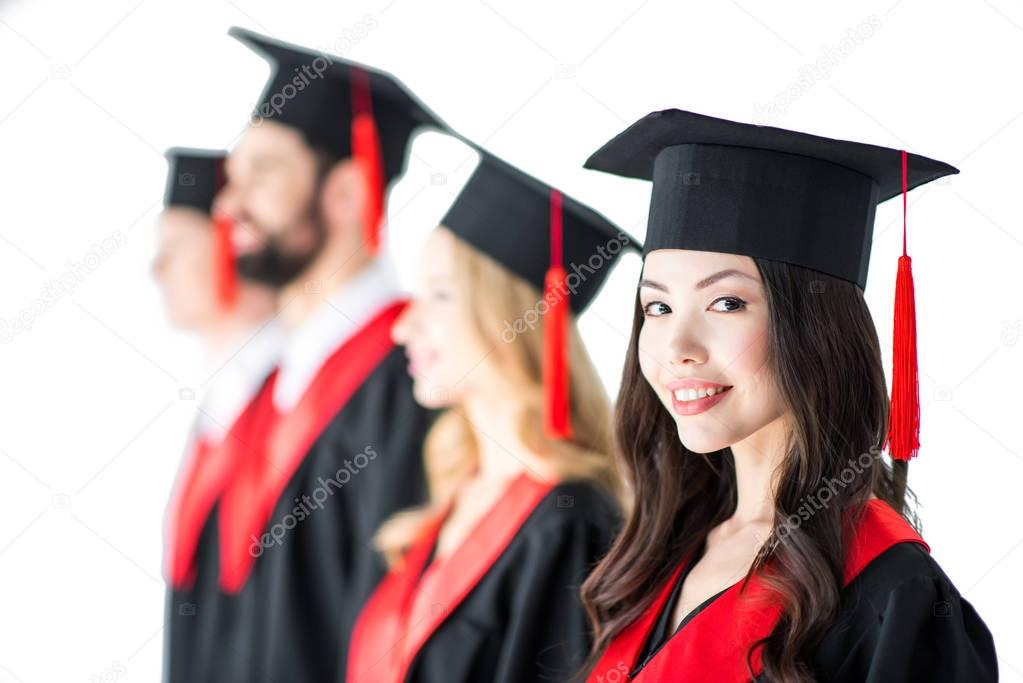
x=417 y=360
x=693 y=396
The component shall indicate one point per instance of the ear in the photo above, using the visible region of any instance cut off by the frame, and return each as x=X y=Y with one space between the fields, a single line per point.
x=343 y=195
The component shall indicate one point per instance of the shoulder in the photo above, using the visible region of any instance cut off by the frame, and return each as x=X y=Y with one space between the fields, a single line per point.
x=578 y=510
x=563 y=538
x=572 y=502
x=903 y=577
x=902 y=613
x=900 y=564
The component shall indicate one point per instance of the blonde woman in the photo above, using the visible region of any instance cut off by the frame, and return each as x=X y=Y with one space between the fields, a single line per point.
x=484 y=580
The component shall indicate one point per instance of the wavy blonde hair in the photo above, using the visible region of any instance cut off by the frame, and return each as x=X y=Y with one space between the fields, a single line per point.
x=495 y=297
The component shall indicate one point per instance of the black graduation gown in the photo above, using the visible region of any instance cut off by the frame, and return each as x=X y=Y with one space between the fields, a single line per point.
x=901 y=620
x=198 y=617
x=313 y=585
x=514 y=617
x=182 y=639
x=296 y=606
x=199 y=612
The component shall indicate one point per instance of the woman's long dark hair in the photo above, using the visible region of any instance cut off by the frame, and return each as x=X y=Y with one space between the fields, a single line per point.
x=825 y=358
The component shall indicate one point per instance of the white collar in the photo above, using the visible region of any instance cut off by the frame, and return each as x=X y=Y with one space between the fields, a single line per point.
x=237 y=378
x=337 y=319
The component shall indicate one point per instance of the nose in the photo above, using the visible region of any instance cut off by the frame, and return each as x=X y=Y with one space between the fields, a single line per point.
x=685 y=347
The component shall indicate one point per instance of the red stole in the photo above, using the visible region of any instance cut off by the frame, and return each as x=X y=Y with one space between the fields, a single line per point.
x=204 y=477
x=718 y=637
x=409 y=604
x=250 y=500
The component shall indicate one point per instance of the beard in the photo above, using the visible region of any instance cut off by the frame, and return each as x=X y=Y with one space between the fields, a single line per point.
x=274 y=264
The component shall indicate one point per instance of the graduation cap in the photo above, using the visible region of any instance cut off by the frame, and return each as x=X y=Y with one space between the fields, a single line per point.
x=349 y=109
x=513 y=217
x=781 y=195
x=194 y=176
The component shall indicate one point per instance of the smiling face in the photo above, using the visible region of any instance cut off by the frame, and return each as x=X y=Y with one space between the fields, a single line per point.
x=704 y=345
x=271 y=195
x=447 y=357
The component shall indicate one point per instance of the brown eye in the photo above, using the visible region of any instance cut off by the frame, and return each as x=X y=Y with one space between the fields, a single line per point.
x=730 y=304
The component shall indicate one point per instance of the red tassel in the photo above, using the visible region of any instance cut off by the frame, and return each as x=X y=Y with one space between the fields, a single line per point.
x=224 y=273
x=557 y=424
x=368 y=156
x=903 y=438
x=557 y=420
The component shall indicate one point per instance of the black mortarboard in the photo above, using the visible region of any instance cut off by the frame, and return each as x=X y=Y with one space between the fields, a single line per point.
x=506 y=213
x=349 y=109
x=518 y=220
x=194 y=176
x=786 y=196
x=760 y=191
x=313 y=92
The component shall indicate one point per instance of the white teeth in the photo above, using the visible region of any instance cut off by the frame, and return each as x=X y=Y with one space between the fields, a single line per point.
x=694 y=394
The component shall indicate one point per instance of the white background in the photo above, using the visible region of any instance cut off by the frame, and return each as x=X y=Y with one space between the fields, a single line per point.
x=91 y=419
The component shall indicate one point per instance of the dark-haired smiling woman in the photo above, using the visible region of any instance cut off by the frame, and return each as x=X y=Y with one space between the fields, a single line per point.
x=769 y=538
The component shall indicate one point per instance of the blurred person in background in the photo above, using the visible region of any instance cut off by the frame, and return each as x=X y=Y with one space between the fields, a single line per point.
x=234 y=320
x=306 y=189
x=524 y=496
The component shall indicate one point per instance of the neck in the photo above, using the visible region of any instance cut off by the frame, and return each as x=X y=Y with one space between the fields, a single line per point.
x=502 y=454
x=757 y=459
x=332 y=269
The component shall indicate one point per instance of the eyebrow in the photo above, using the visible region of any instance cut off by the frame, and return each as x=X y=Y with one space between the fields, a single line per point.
x=705 y=282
